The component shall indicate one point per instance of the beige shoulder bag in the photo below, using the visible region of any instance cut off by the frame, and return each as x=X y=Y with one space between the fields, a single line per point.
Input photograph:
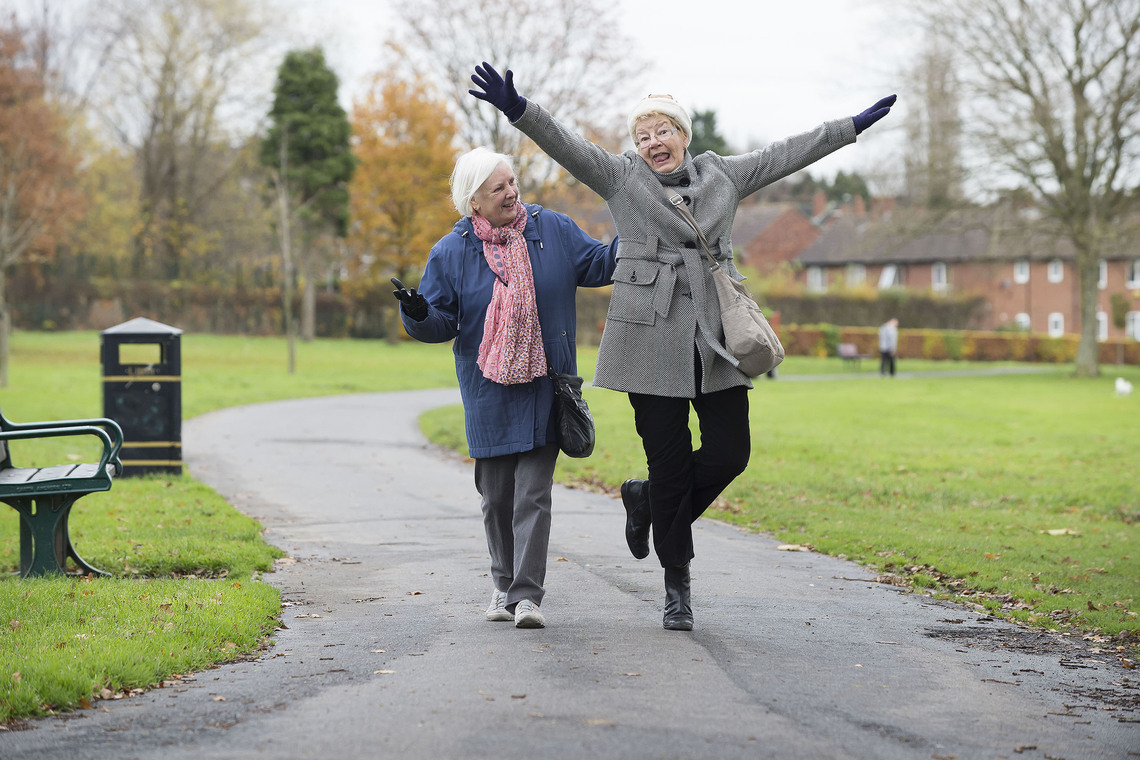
x=747 y=334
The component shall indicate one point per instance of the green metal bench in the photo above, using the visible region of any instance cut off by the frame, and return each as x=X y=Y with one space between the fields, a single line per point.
x=44 y=496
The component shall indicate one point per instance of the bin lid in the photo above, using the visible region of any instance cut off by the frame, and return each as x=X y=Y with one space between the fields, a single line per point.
x=143 y=326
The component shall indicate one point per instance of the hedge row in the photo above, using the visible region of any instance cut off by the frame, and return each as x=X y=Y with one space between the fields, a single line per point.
x=967 y=345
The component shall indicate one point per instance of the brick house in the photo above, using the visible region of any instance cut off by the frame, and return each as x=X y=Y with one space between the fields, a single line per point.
x=768 y=235
x=1029 y=279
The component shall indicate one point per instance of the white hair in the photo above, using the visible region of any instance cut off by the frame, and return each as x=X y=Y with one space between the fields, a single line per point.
x=471 y=171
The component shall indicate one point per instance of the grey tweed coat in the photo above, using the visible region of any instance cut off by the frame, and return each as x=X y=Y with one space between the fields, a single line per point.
x=664 y=302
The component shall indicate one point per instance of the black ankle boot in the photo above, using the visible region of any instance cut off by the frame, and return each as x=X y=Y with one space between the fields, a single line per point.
x=635 y=497
x=678 y=610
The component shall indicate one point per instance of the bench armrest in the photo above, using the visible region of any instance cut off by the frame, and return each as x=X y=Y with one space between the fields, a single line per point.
x=105 y=429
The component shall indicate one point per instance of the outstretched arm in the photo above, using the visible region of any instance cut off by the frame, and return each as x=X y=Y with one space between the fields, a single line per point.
x=598 y=169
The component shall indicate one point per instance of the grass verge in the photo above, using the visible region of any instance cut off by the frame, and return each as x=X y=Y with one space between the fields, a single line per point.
x=186 y=591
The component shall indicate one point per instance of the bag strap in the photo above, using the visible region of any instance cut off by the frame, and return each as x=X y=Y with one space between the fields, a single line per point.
x=679 y=204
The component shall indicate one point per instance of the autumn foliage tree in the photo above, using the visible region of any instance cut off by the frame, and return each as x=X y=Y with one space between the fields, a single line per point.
x=403 y=138
x=37 y=171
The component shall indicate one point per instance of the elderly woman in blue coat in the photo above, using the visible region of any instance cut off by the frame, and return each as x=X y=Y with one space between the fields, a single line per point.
x=501 y=285
x=663 y=343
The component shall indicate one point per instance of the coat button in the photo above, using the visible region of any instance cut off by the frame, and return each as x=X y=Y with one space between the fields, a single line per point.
x=686 y=182
x=633 y=277
x=690 y=244
x=688 y=201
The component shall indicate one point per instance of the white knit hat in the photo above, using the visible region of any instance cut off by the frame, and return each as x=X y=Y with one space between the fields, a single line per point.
x=664 y=105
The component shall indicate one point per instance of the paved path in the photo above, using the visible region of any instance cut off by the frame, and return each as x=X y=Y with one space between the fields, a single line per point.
x=387 y=653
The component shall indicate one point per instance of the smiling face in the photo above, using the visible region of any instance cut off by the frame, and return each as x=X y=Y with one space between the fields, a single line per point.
x=661 y=143
x=497 y=198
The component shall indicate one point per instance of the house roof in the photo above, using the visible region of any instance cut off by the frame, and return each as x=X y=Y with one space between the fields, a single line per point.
x=912 y=237
x=753 y=219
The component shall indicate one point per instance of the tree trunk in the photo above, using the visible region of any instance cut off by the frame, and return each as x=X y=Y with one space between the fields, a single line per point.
x=1088 y=273
x=308 y=300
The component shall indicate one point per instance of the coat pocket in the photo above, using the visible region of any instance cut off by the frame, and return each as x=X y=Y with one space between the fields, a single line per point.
x=632 y=299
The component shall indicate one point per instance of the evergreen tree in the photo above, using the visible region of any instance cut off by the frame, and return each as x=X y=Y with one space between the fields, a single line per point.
x=705 y=136
x=316 y=132
x=308 y=149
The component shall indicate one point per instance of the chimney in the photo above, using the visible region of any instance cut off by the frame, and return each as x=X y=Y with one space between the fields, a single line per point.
x=818 y=204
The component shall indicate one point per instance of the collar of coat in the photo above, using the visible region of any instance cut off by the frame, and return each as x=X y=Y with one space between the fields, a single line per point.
x=675 y=177
x=465 y=229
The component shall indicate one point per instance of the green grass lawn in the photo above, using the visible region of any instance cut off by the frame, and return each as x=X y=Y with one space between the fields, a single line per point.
x=1016 y=492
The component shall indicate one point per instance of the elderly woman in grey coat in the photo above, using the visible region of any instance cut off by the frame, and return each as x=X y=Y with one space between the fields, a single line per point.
x=663 y=343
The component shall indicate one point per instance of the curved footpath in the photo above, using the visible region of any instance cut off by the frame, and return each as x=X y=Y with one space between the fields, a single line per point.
x=387 y=653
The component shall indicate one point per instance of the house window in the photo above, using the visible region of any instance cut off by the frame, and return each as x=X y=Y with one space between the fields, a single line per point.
x=939 y=280
x=1132 y=325
x=815 y=281
x=1021 y=272
x=1101 y=326
x=1022 y=321
x=1056 y=324
x=1056 y=271
x=889 y=277
x=1102 y=276
x=1133 y=275
x=856 y=274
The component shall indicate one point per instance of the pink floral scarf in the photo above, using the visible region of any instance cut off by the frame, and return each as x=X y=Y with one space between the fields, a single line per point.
x=511 y=351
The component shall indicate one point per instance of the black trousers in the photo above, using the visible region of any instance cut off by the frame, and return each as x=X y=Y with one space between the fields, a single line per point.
x=684 y=482
x=886 y=363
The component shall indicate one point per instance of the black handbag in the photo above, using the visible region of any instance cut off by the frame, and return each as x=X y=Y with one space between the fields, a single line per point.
x=572 y=419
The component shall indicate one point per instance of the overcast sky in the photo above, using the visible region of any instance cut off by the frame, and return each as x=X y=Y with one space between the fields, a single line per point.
x=769 y=68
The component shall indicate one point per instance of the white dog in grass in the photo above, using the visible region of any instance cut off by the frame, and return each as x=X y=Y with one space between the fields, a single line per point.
x=1123 y=387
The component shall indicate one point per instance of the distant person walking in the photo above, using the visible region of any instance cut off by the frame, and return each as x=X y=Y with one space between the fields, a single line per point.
x=888 y=346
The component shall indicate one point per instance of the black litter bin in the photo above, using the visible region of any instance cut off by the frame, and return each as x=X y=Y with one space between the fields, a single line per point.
x=142 y=391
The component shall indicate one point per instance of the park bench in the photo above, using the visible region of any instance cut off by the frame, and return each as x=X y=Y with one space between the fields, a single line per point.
x=849 y=353
x=44 y=496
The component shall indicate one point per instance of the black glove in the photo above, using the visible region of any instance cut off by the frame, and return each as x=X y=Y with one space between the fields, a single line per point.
x=411 y=302
x=497 y=91
x=874 y=113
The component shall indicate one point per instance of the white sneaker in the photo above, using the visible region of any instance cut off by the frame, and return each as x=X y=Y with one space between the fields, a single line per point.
x=528 y=616
x=497 y=610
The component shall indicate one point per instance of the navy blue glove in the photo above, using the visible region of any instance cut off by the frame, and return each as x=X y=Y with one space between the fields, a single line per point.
x=874 y=113
x=412 y=303
x=497 y=91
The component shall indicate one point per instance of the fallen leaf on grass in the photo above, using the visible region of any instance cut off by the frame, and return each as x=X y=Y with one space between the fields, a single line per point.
x=792 y=548
x=1061 y=532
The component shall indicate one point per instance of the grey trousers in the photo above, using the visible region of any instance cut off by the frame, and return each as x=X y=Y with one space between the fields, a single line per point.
x=516 y=515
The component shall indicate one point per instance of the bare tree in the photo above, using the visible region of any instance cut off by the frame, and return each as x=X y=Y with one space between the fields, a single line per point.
x=174 y=71
x=934 y=129
x=1056 y=84
x=569 y=56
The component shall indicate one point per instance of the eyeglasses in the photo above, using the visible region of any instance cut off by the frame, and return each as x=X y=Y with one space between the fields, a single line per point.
x=662 y=134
